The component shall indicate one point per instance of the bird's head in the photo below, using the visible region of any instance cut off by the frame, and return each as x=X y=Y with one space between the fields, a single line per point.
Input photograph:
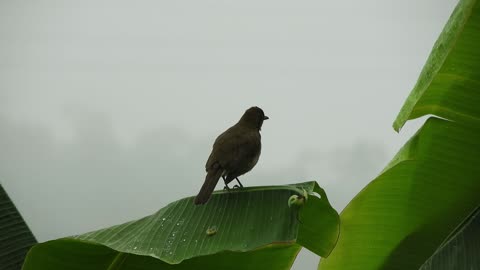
x=253 y=118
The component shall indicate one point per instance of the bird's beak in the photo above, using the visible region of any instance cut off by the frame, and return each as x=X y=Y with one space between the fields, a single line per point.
x=265 y=117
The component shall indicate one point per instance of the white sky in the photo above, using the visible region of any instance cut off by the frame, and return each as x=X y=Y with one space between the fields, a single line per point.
x=108 y=110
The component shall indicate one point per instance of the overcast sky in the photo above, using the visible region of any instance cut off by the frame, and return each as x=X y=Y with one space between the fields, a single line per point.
x=108 y=110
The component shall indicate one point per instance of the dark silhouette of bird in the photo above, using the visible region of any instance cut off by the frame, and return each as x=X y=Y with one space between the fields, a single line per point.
x=235 y=152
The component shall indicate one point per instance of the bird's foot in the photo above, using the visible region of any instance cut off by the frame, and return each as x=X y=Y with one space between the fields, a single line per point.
x=237 y=187
x=227 y=188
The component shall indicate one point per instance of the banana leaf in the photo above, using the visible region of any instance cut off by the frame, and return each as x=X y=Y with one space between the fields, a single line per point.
x=240 y=229
x=15 y=236
x=449 y=85
x=461 y=250
x=402 y=216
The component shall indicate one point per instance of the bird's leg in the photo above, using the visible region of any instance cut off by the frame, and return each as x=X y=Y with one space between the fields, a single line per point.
x=226 y=185
x=238 y=180
x=239 y=184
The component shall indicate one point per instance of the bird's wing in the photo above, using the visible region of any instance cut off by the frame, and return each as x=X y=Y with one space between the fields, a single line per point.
x=234 y=146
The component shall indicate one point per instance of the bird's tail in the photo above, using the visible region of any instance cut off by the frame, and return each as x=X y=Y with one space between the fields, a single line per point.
x=208 y=186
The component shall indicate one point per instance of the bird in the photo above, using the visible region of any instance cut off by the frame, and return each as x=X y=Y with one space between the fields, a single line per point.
x=234 y=153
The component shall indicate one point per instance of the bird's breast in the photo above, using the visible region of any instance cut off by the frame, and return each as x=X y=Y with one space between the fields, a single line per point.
x=254 y=160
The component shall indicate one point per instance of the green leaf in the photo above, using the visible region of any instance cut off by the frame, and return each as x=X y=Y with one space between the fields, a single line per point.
x=462 y=248
x=402 y=216
x=15 y=236
x=449 y=85
x=234 y=230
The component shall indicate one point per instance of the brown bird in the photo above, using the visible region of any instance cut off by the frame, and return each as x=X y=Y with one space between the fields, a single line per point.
x=235 y=152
